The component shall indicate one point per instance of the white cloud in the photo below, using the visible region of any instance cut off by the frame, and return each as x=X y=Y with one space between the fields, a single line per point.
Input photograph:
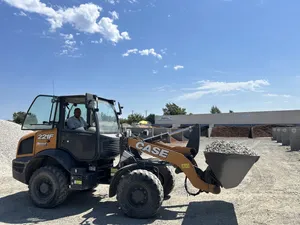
x=67 y=36
x=132 y=11
x=177 y=67
x=83 y=18
x=20 y=14
x=69 y=46
x=166 y=66
x=150 y=52
x=143 y=52
x=114 y=15
x=164 y=51
x=110 y=31
x=97 y=42
x=277 y=95
x=130 y=51
x=211 y=87
x=113 y=2
x=154 y=71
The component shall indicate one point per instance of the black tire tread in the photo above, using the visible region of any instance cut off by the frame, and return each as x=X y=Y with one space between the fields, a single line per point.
x=154 y=185
x=62 y=181
x=169 y=179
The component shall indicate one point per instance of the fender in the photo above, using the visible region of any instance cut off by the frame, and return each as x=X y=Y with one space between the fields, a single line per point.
x=143 y=164
x=62 y=157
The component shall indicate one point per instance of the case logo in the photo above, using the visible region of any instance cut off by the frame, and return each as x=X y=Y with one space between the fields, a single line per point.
x=152 y=150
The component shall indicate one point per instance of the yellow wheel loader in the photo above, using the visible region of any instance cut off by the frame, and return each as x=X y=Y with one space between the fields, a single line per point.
x=56 y=158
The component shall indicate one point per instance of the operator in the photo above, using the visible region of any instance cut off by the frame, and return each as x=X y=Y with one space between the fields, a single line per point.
x=77 y=121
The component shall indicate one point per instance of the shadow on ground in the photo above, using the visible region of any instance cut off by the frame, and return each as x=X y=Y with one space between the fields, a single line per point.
x=17 y=209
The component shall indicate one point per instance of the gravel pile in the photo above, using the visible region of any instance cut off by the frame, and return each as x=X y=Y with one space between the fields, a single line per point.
x=262 y=131
x=226 y=147
x=10 y=133
x=230 y=131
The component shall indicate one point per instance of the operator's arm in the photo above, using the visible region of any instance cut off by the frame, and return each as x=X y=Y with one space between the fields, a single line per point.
x=85 y=123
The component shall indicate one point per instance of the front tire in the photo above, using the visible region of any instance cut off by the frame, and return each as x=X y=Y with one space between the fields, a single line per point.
x=140 y=194
x=48 y=187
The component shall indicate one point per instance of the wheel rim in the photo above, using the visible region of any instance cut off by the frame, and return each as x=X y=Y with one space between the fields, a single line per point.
x=44 y=189
x=138 y=196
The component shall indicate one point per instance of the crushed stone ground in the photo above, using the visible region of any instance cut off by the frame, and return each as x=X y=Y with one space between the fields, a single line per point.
x=10 y=134
x=269 y=195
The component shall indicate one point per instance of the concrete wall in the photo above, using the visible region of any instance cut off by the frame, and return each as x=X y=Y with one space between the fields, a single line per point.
x=295 y=138
x=285 y=136
x=265 y=117
x=278 y=134
x=274 y=134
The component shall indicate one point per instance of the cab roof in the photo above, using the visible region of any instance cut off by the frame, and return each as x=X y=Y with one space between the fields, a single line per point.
x=80 y=98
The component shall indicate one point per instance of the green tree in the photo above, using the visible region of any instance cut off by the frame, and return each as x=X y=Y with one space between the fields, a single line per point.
x=18 y=117
x=214 y=110
x=230 y=111
x=151 y=118
x=123 y=120
x=173 y=109
x=135 y=118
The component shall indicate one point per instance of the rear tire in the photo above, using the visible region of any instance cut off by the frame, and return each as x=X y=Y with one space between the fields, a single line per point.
x=140 y=194
x=48 y=187
x=167 y=179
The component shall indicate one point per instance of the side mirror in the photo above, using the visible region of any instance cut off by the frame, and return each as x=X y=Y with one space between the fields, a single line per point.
x=92 y=104
x=120 y=109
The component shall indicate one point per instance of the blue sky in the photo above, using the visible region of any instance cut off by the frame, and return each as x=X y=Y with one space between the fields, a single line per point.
x=239 y=55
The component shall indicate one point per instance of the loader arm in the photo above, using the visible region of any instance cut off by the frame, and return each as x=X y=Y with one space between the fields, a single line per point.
x=177 y=157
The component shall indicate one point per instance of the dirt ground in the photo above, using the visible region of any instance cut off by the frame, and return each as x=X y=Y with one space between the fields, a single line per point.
x=270 y=194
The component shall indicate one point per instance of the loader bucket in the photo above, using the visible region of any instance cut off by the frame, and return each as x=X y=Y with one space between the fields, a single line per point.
x=229 y=169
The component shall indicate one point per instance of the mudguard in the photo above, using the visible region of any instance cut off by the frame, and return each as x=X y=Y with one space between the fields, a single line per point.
x=62 y=157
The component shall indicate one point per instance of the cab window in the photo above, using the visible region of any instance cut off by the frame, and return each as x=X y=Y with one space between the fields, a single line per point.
x=40 y=114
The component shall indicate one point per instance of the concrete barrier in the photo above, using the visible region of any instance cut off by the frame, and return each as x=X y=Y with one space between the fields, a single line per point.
x=285 y=136
x=295 y=138
x=178 y=136
x=278 y=134
x=157 y=131
x=274 y=133
x=139 y=131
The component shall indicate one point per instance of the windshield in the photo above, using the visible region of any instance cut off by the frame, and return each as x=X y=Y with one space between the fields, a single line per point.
x=108 y=122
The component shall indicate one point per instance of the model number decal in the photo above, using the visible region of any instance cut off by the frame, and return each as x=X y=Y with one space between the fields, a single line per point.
x=155 y=150
x=45 y=136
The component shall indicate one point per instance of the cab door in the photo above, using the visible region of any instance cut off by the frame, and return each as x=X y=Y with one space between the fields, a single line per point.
x=43 y=117
x=80 y=143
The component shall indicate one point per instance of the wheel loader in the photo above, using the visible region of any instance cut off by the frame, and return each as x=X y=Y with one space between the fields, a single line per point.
x=55 y=159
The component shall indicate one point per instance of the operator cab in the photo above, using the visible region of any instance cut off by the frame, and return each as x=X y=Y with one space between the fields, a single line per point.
x=99 y=141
